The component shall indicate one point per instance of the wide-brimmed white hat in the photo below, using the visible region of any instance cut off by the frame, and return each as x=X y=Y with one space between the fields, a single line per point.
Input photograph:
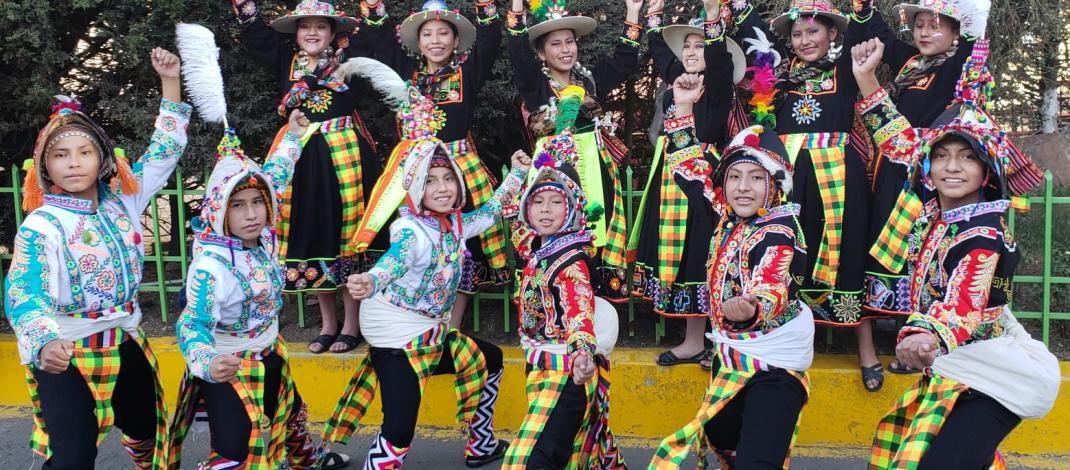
x=676 y=34
x=782 y=24
x=409 y=31
x=551 y=15
x=313 y=9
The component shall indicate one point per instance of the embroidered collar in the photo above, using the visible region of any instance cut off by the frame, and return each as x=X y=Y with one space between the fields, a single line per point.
x=211 y=238
x=559 y=243
x=70 y=203
x=968 y=211
x=783 y=210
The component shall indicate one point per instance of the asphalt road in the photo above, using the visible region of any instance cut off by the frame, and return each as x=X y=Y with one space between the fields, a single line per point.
x=427 y=452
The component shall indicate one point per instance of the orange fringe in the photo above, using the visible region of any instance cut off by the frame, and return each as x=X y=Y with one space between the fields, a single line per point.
x=32 y=194
x=127 y=181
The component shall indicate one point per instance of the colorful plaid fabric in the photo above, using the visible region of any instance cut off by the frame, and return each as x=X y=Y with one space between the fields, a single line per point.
x=344 y=144
x=673 y=217
x=269 y=437
x=99 y=365
x=615 y=250
x=352 y=405
x=480 y=186
x=905 y=433
x=141 y=452
x=724 y=385
x=543 y=391
x=890 y=248
x=424 y=353
x=594 y=445
x=830 y=170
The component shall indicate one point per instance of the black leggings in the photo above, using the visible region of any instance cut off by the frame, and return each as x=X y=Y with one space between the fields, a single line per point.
x=227 y=417
x=758 y=423
x=969 y=437
x=67 y=408
x=400 y=387
x=554 y=447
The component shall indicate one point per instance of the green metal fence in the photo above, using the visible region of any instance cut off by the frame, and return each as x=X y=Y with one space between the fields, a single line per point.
x=162 y=282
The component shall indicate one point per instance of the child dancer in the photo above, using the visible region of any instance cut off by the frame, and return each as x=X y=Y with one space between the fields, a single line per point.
x=983 y=373
x=764 y=334
x=566 y=332
x=72 y=287
x=407 y=301
x=229 y=332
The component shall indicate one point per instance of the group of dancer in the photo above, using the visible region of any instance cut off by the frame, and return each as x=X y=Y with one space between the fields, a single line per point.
x=788 y=188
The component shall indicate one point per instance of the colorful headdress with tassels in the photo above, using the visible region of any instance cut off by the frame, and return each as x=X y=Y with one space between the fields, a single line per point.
x=68 y=118
x=233 y=172
x=968 y=117
x=763 y=147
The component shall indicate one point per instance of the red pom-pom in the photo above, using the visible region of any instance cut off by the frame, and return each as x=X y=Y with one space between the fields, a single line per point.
x=752 y=140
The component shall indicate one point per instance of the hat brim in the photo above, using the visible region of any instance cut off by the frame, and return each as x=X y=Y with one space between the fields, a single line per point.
x=409 y=32
x=580 y=25
x=288 y=24
x=911 y=10
x=676 y=34
x=782 y=24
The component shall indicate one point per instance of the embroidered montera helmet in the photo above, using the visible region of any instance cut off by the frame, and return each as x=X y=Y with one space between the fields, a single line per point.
x=761 y=147
x=555 y=170
x=233 y=172
x=69 y=119
x=967 y=117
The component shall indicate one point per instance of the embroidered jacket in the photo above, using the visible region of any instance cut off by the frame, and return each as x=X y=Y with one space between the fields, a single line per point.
x=752 y=256
x=454 y=90
x=556 y=300
x=76 y=270
x=963 y=259
x=422 y=268
x=234 y=292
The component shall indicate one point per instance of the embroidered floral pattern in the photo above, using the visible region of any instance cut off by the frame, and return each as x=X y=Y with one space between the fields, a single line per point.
x=806 y=110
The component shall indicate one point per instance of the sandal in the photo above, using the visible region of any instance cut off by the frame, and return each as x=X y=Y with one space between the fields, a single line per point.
x=669 y=358
x=349 y=341
x=897 y=368
x=707 y=363
x=497 y=453
x=334 y=460
x=325 y=342
x=874 y=372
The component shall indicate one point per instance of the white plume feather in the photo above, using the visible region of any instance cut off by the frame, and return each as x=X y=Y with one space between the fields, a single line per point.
x=200 y=69
x=974 y=16
x=382 y=77
x=761 y=43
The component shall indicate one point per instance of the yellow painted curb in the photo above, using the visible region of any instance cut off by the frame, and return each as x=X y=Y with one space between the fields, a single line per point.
x=648 y=401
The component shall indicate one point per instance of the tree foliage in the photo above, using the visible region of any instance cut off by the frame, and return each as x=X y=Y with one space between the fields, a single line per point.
x=98 y=49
